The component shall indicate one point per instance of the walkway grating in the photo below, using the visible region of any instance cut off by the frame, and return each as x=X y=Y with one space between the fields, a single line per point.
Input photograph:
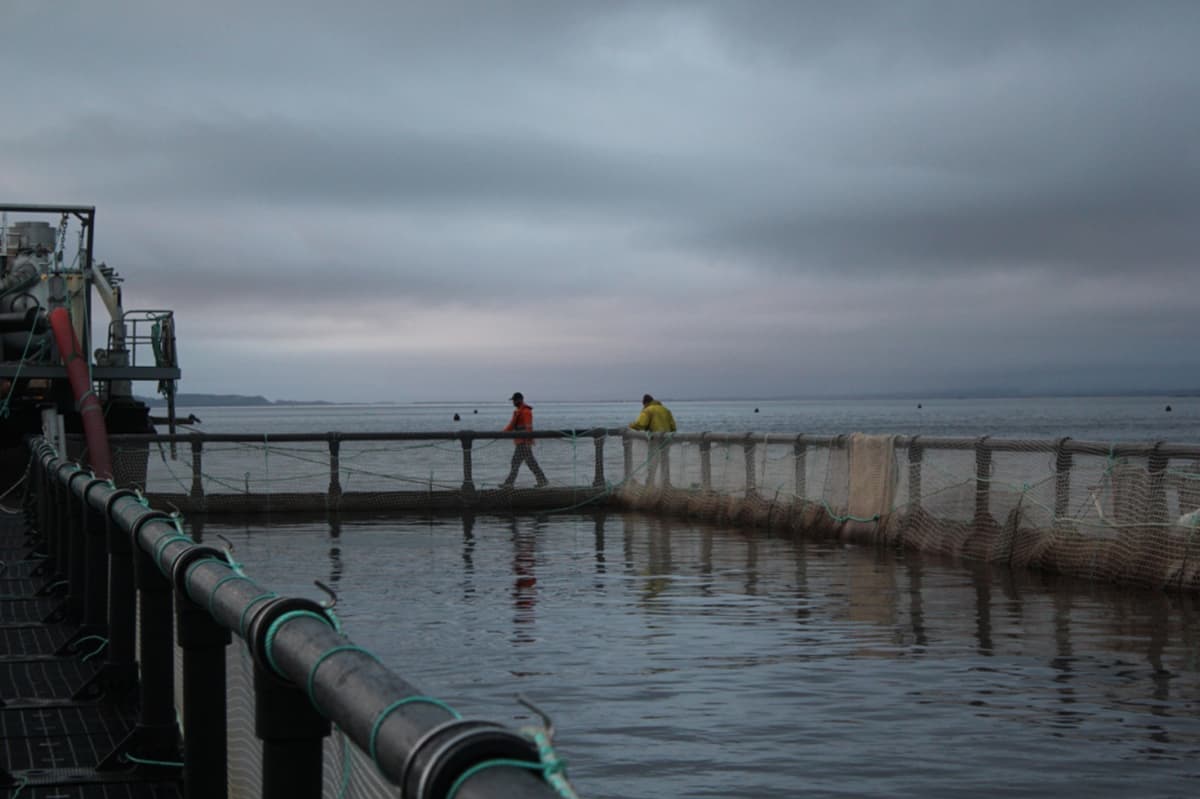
x=51 y=742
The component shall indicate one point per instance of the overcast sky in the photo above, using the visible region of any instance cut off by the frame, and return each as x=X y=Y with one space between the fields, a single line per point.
x=390 y=201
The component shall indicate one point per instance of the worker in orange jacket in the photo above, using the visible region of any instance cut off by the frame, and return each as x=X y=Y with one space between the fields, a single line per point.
x=522 y=419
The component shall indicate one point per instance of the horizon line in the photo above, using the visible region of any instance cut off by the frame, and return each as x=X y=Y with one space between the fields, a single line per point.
x=906 y=395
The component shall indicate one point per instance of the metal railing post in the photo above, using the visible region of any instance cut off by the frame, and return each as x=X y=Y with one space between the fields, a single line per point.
x=95 y=591
x=705 y=463
x=56 y=541
x=335 y=466
x=1063 y=461
x=800 y=454
x=203 y=641
x=292 y=734
x=285 y=719
x=627 y=447
x=468 y=483
x=197 y=468
x=598 y=440
x=119 y=673
x=156 y=735
x=751 y=481
x=983 y=476
x=1156 y=468
x=77 y=566
x=156 y=643
x=916 y=455
x=41 y=484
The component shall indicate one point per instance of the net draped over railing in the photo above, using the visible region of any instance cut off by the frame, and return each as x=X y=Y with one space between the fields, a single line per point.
x=1122 y=512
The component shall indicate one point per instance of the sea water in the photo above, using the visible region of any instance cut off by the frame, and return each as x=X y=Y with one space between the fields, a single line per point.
x=1085 y=418
x=681 y=659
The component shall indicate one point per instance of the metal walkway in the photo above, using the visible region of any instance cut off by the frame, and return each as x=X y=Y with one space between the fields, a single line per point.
x=58 y=727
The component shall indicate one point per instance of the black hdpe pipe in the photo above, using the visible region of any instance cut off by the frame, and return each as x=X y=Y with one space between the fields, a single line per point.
x=417 y=743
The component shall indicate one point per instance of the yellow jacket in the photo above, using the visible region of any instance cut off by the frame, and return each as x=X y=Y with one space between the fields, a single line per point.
x=656 y=418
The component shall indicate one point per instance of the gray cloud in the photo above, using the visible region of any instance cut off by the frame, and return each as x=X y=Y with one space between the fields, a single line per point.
x=757 y=193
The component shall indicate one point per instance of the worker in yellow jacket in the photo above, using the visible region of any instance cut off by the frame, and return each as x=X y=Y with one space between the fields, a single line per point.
x=656 y=418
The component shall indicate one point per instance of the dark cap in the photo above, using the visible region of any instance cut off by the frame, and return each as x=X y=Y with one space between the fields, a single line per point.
x=517 y=396
x=647 y=398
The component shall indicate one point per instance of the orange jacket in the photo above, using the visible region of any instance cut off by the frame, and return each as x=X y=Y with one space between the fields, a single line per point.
x=522 y=419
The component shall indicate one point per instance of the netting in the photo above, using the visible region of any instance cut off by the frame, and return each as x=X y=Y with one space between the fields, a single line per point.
x=1124 y=512
x=347 y=772
x=1120 y=513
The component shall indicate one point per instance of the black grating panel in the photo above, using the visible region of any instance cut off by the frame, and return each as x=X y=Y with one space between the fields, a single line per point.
x=27 y=611
x=41 y=639
x=57 y=679
x=68 y=789
x=75 y=720
x=49 y=743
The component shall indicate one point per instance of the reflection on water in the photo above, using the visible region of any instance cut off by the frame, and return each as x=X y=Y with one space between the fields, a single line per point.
x=524 y=591
x=681 y=659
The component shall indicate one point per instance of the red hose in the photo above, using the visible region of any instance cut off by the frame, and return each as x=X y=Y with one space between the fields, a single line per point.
x=90 y=412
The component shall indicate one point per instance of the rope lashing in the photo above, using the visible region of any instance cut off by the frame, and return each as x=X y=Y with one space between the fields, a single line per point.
x=103 y=643
x=142 y=761
x=312 y=673
x=408 y=700
x=552 y=767
x=253 y=601
x=273 y=630
x=213 y=594
x=166 y=541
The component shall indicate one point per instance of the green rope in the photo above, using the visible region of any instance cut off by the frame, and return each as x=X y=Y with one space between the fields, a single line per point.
x=213 y=595
x=96 y=651
x=20 y=787
x=273 y=630
x=103 y=643
x=233 y=564
x=408 y=700
x=188 y=574
x=163 y=543
x=245 y=610
x=312 y=673
x=333 y=619
x=552 y=768
x=147 y=762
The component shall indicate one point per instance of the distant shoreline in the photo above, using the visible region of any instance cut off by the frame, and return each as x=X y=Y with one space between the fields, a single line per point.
x=233 y=401
x=258 y=401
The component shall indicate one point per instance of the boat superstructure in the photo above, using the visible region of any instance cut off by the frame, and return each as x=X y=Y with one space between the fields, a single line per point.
x=48 y=275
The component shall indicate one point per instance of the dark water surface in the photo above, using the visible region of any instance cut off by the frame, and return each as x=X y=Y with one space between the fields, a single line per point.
x=680 y=659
